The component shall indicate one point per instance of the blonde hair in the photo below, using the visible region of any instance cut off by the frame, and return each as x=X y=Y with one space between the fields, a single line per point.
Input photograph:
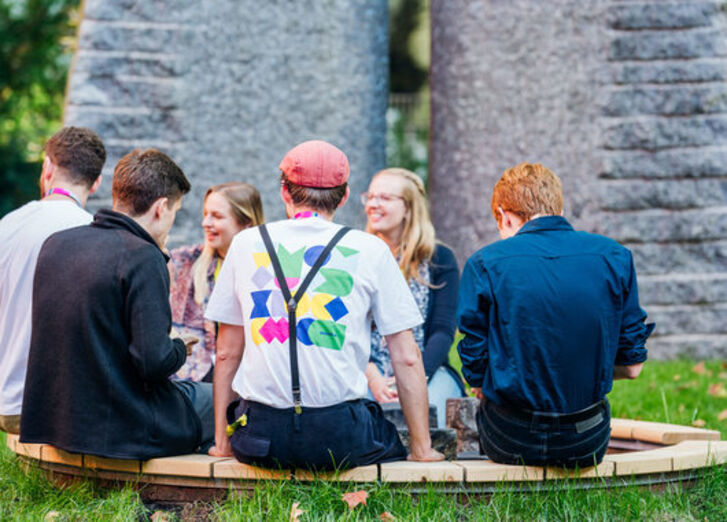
x=528 y=189
x=417 y=239
x=247 y=208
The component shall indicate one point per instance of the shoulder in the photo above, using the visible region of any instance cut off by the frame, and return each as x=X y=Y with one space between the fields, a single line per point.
x=603 y=245
x=443 y=255
x=186 y=254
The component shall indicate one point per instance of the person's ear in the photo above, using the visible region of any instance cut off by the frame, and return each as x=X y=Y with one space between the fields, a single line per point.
x=95 y=185
x=504 y=218
x=47 y=173
x=161 y=207
x=285 y=194
x=345 y=197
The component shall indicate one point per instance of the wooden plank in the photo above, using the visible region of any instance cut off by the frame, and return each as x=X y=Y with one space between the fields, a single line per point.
x=59 y=456
x=231 y=469
x=28 y=450
x=622 y=428
x=405 y=471
x=699 y=454
x=662 y=433
x=95 y=462
x=11 y=441
x=642 y=462
x=488 y=471
x=360 y=474
x=193 y=465
x=604 y=469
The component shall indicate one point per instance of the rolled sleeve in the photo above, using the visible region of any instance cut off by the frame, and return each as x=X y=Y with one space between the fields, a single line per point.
x=472 y=318
x=634 y=330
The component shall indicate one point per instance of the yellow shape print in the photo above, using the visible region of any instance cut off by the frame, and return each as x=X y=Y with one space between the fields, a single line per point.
x=261 y=259
x=303 y=305
x=317 y=305
x=255 y=326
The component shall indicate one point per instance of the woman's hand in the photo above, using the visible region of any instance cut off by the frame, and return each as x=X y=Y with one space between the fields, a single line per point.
x=383 y=390
x=222 y=448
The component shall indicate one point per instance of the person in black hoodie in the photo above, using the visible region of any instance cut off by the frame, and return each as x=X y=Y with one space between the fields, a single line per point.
x=100 y=351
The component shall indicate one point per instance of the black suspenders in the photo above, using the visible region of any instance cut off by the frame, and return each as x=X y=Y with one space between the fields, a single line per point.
x=292 y=302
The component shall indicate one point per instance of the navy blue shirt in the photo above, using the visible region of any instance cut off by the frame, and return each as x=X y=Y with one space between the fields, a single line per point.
x=546 y=314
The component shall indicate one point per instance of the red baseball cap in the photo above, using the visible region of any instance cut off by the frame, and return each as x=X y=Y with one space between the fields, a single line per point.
x=316 y=164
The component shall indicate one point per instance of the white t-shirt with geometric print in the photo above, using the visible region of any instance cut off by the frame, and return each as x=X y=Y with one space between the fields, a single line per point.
x=359 y=282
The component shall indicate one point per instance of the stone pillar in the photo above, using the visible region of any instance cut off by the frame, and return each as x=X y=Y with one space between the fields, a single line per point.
x=227 y=87
x=627 y=102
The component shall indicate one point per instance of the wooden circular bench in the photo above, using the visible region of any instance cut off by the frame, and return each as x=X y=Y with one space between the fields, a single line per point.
x=639 y=452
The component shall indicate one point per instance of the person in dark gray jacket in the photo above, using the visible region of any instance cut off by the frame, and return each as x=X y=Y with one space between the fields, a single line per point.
x=100 y=351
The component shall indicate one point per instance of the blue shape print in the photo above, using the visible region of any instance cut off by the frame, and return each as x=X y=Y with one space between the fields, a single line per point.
x=336 y=308
x=302 y=331
x=311 y=255
x=260 y=307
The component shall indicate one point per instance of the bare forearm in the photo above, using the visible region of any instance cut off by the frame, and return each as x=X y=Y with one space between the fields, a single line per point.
x=230 y=346
x=627 y=372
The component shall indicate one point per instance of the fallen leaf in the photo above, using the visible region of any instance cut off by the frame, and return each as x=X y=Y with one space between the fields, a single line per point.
x=724 y=365
x=295 y=512
x=355 y=498
x=723 y=376
x=717 y=390
x=386 y=516
x=698 y=423
x=677 y=377
x=699 y=368
x=51 y=515
x=722 y=415
x=161 y=516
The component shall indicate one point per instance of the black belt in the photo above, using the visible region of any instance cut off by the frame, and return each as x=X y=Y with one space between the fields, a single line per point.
x=586 y=415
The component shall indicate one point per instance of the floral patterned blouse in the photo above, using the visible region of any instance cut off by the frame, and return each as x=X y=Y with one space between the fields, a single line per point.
x=187 y=315
x=379 y=350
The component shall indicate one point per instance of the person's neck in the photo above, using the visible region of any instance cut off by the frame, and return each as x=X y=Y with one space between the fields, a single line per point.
x=78 y=191
x=292 y=211
x=392 y=239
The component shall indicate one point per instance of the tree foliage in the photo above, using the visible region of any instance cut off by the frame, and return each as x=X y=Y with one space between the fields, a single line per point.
x=405 y=75
x=36 y=38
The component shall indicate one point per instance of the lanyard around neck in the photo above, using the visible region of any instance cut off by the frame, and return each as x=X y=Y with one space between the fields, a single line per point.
x=63 y=192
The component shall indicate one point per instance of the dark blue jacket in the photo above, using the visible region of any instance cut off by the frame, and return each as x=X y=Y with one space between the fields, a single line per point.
x=547 y=314
x=100 y=352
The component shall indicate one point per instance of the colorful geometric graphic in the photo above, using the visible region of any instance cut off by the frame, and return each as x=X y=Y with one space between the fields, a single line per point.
x=319 y=310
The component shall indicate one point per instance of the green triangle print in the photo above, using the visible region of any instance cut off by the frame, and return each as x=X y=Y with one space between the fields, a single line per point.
x=347 y=252
x=291 y=263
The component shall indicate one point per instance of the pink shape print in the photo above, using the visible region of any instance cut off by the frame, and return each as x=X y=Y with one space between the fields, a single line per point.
x=292 y=282
x=273 y=329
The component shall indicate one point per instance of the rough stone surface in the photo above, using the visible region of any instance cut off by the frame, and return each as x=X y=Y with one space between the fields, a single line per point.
x=627 y=102
x=443 y=440
x=394 y=414
x=226 y=88
x=461 y=418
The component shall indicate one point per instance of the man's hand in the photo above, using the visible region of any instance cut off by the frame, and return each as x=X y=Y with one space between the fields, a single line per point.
x=477 y=393
x=430 y=455
x=189 y=342
x=221 y=449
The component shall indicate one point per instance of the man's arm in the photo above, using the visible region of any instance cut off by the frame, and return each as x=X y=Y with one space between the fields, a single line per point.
x=230 y=346
x=627 y=372
x=411 y=384
x=473 y=320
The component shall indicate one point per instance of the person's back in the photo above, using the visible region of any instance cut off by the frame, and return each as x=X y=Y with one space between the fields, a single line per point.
x=561 y=290
x=295 y=300
x=100 y=352
x=71 y=171
x=550 y=317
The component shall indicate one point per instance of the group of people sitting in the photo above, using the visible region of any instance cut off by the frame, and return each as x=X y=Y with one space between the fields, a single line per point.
x=277 y=342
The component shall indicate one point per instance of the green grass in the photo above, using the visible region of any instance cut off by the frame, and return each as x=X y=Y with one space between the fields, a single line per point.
x=658 y=395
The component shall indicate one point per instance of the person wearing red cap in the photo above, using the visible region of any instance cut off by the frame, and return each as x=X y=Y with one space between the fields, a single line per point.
x=295 y=302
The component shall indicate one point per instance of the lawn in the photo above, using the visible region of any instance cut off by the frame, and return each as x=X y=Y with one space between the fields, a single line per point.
x=681 y=392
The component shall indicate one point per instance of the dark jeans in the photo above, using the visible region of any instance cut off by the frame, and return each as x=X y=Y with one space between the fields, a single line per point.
x=349 y=434
x=200 y=395
x=544 y=440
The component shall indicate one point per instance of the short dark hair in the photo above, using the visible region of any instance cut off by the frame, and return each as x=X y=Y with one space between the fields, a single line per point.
x=78 y=151
x=143 y=176
x=323 y=199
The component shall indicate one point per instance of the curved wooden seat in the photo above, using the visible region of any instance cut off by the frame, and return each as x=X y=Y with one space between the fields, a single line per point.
x=682 y=448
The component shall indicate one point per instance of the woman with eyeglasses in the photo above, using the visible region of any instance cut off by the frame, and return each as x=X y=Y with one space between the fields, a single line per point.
x=397 y=212
x=228 y=208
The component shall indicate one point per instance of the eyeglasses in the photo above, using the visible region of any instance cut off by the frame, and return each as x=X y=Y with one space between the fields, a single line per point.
x=370 y=197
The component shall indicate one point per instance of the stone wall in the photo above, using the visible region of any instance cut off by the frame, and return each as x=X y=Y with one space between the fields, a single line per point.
x=227 y=87
x=627 y=102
